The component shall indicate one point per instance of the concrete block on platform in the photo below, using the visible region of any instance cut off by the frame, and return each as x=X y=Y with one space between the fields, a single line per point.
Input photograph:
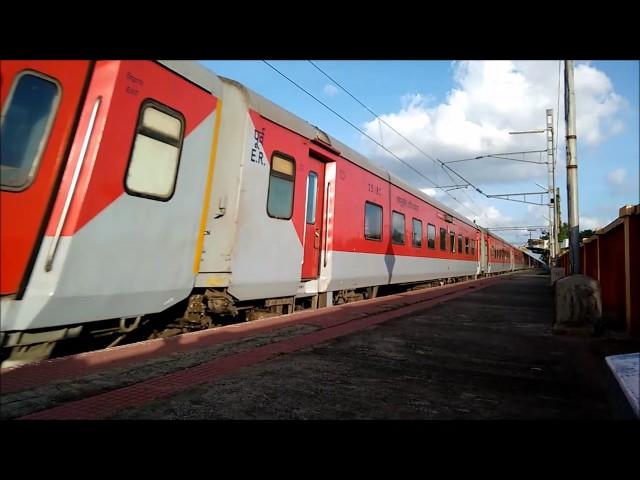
x=578 y=301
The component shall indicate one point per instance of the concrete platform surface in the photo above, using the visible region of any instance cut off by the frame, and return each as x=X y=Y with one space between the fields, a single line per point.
x=486 y=353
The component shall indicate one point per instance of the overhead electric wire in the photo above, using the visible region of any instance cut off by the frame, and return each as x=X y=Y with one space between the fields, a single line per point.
x=436 y=161
x=443 y=164
x=378 y=117
x=365 y=134
x=497 y=155
x=350 y=123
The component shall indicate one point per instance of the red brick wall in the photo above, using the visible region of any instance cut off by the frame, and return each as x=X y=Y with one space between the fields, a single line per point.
x=591 y=259
x=612 y=275
x=634 y=250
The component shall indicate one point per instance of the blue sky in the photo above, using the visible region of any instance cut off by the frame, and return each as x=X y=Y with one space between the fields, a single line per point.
x=454 y=110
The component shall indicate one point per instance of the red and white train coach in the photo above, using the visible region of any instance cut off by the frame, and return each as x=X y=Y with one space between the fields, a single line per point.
x=129 y=187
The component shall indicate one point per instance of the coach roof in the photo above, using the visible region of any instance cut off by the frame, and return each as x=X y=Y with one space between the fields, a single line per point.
x=279 y=115
x=208 y=80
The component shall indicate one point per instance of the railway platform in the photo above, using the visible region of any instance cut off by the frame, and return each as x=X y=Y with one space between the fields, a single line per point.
x=475 y=350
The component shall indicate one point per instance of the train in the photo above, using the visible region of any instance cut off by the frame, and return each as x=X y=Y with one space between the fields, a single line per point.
x=132 y=188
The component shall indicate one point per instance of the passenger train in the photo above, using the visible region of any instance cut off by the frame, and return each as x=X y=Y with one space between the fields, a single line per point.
x=133 y=188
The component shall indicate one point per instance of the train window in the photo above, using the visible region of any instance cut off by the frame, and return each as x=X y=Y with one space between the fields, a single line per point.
x=452 y=241
x=153 y=166
x=443 y=238
x=24 y=129
x=459 y=243
x=281 y=181
x=397 y=225
x=431 y=236
x=417 y=232
x=372 y=221
x=466 y=245
x=312 y=194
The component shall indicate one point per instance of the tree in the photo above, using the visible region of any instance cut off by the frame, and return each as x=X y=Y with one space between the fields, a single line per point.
x=586 y=233
x=563 y=234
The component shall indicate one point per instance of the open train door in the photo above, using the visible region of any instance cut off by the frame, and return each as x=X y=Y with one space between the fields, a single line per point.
x=39 y=101
x=314 y=216
x=483 y=252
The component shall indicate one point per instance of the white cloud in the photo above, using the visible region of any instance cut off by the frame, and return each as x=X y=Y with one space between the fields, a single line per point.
x=432 y=192
x=489 y=99
x=488 y=215
x=592 y=223
x=329 y=90
x=617 y=177
x=596 y=103
x=483 y=214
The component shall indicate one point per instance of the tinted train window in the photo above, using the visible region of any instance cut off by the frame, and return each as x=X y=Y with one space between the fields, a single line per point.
x=459 y=243
x=312 y=194
x=417 y=232
x=466 y=245
x=281 y=179
x=431 y=236
x=372 y=221
x=397 y=235
x=443 y=238
x=452 y=241
x=24 y=129
x=153 y=167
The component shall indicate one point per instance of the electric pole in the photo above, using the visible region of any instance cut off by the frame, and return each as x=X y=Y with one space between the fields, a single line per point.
x=554 y=249
x=558 y=222
x=553 y=235
x=572 y=168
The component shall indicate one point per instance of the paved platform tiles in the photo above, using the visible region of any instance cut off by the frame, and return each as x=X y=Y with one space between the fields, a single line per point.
x=487 y=353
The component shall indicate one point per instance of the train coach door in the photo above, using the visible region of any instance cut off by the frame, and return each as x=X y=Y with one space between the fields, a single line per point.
x=39 y=104
x=313 y=219
x=484 y=252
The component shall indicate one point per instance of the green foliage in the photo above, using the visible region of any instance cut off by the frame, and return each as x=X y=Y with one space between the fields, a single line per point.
x=564 y=232
x=586 y=233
